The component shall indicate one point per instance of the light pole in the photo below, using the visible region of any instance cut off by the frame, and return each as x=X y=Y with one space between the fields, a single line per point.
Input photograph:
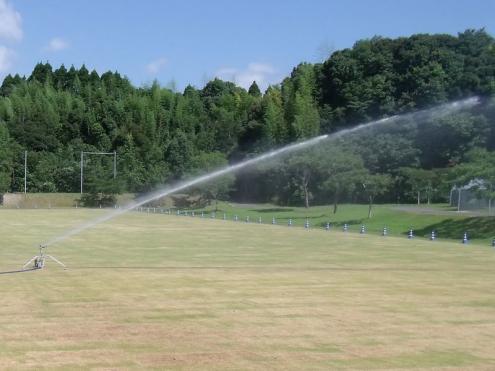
x=25 y=171
x=82 y=167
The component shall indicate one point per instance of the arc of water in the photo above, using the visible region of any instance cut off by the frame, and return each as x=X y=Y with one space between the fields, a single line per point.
x=429 y=113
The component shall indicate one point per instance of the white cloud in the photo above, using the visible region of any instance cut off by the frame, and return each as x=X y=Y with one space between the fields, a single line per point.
x=10 y=22
x=264 y=75
x=156 y=66
x=6 y=58
x=56 y=44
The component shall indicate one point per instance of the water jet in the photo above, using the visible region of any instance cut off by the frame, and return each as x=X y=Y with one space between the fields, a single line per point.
x=435 y=112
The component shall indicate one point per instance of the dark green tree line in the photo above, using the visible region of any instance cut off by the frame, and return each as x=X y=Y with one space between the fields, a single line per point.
x=162 y=135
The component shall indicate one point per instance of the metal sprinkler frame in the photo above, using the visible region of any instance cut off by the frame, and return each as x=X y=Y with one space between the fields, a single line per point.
x=39 y=260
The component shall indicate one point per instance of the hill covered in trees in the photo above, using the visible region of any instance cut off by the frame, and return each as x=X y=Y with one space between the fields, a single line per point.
x=161 y=135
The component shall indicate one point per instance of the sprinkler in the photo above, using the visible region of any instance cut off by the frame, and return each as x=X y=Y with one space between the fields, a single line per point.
x=39 y=260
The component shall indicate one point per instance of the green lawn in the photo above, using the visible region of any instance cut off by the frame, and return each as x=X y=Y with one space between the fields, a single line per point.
x=447 y=223
x=152 y=291
x=398 y=219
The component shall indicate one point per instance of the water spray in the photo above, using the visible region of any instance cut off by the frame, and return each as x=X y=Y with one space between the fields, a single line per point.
x=435 y=112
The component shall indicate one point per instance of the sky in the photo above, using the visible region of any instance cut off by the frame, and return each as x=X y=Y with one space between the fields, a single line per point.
x=190 y=42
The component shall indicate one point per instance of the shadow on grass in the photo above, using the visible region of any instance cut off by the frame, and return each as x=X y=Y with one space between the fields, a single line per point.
x=272 y=210
x=342 y=222
x=302 y=217
x=477 y=227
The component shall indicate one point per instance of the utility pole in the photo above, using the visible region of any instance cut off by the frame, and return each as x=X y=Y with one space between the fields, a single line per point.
x=114 y=164
x=82 y=166
x=459 y=200
x=25 y=171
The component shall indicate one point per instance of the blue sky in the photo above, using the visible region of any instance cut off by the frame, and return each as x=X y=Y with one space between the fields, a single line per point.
x=193 y=41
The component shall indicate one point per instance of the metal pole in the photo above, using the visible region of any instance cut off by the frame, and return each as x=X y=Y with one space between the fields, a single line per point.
x=459 y=200
x=114 y=164
x=25 y=171
x=82 y=154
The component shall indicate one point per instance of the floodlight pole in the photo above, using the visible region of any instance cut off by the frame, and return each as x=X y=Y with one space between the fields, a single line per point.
x=114 y=164
x=25 y=171
x=459 y=200
x=82 y=167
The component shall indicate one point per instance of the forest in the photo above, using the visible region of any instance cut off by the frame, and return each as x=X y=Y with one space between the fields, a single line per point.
x=162 y=135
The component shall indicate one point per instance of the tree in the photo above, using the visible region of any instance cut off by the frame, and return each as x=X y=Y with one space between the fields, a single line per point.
x=215 y=189
x=459 y=133
x=42 y=73
x=254 y=90
x=275 y=127
x=385 y=152
x=306 y=121
x=179 y=153
x=343 y=170
x=304 y=169
x=375 y=185
x=42 y=176
x=5 y=159
x=379 y=76
x=56 y=113
x=300 y=104
x=100 y=187
x=131 y=169
x=421 y=180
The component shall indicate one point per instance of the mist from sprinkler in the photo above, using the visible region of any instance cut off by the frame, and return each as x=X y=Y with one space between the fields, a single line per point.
x=432 y=113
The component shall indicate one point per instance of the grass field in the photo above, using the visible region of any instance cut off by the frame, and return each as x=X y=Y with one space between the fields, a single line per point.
x=444 y=220
x=441 y=218
x=151 y=291
x=50 y=200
